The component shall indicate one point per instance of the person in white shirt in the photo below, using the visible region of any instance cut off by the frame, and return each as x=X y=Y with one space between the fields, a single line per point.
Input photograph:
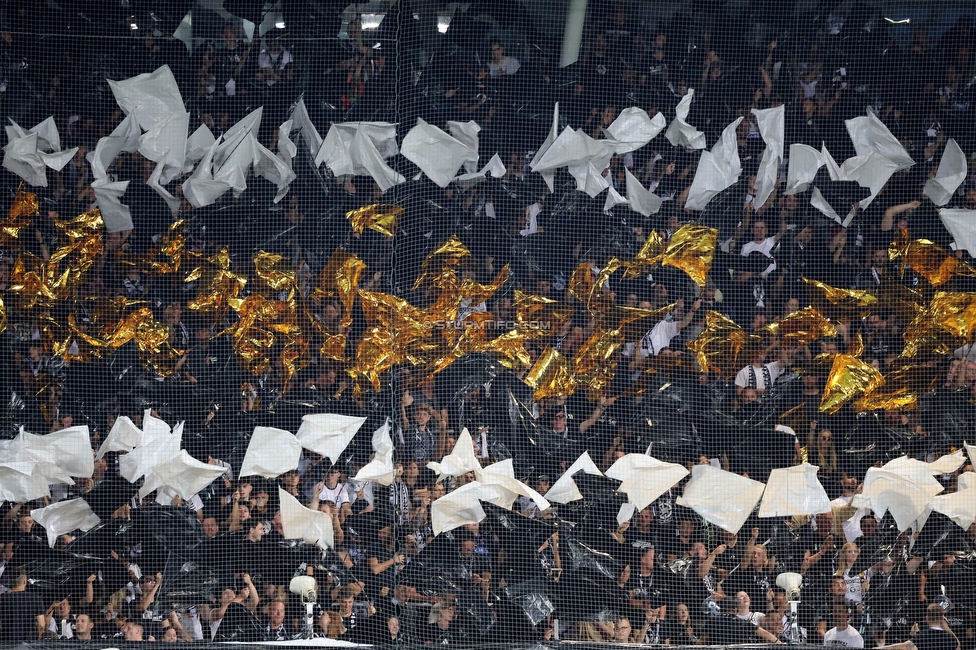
x=843 y=634
x=332 y=490
x=758 y=375
x=763 y=243
x=274 y=63
x=659 y=337
x=500 y=64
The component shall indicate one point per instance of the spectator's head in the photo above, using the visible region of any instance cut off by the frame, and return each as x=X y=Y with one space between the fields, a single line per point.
x=276 y=613
x=760 y=558
x=841 y=615
x=934 y=614
x=497 y=52
x=83 y=626
x=25 y=523
x=132 y=631
x=759 y=231
x=210 y=526
x=558 y=420
x=743 y=603
x=170 y=635
x=420 y=414
x=345 y=599
x=838 y=588
x=255 y=532
x=622 y=630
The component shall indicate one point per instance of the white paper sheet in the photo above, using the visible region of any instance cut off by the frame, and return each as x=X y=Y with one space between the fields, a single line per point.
x=460 y=461
x=299 y=522
x=64 y=517
x=772 y=127
x=328 y=434
x=125 y=137
x=502 y=474
x=871 y=136
x=959 y=506
x=633 y=129
x=150 y=97
x=28 y=154
x=270 y=453
x=804 y=163
x=181 y=474
x=201 y=188
x=721 y=498
x=947 y=464
x=565 y=490
x=108 y=195
x=71 y=448
x=381 y=468
x=640 y=199
x=436 y=153
x=794 y=491
x=550 y=174
x=680 y=133
x=717 y=170
x=961 y=224
x=467 y=134
x=302 y=123
x=124 y=436
x=952 y=172
x=903 y=487
x=495 y=167
x=644 y=478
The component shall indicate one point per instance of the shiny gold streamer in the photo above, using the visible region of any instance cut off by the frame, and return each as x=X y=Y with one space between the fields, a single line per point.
x=691 y=249
x=901 y=389
x=849 y=378
x=379 y=217
x=551 y=376
x=719 y=345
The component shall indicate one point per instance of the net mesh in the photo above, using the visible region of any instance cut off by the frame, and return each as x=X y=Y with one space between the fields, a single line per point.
x=487 y=323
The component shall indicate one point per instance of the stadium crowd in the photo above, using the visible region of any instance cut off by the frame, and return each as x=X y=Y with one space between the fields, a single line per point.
x=217 y=565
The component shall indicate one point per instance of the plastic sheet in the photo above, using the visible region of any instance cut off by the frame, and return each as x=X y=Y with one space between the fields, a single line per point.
x=64 y=517
x=721 y=498
x=359 y=149
x=951 y=173
x=565 y=490
x=640 y=199
x=680 y=133
x=28 y=154
x=871 y=137
x=150 y=97
x=959 y=506
x=717 y=170
x=328 y=434
x=794 y=491
x=904 y=487
x=961 y=224
x=805 y=162
x=180 y=474
x=633 y=129
x=438 y=154
x=270 y=453
x=772 y=127
x=460 y=461
x=643 y=478
x=299 y=522
x=380 y=468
